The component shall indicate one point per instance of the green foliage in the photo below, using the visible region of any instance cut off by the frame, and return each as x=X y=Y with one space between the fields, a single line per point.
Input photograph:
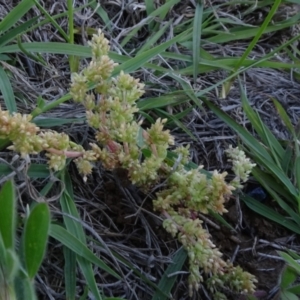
x=289 y=288
x=18 y=267
x=277 y=162
x=189 y=35
x=121 y=142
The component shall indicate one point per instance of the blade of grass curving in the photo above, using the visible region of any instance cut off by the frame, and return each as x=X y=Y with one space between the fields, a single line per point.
x=286 y=163
x=284 y=116
x=248 y=139
x=229 y=63
x=73 y=243
x=11 y=34
x=136 y=271
x=263 y=131
x=7 y=91
x=288 y=276
x=256 y=149
x=184 y=113
x=139 y=60
x=170 y=99
x=75 y=228
x=52 y=21
x=160 y=11
x=267 y=180
x=276 y=149
x=51 y=122
x=15 y=15
x=220 y=219
x=297 y=179
x=38 y=171
x=102 y=14
x=242 y=33
x=154 y=38
x=150 y=8
x=291 y=262
x=67 y=239
x=34 y=171
x=259 y=33
x=187 y=88
x=168 y=280
x=269 y=187
x=73 y=60
x=197 y=29
x=8 y=214
x=270 y=213
x=70 y=273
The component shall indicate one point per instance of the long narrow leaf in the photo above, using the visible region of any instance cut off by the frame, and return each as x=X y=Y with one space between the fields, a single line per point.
x=36 y=237
x=7 y=91
x=70 y=273
x=73 y=243
x=256 y=149
x=15 y=15
x=13 y=33
x=197 y=36
x=8 y=214
x=168 y=280
x=270 y=213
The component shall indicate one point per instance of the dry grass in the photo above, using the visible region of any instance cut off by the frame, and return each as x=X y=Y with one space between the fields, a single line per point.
x=110 y=209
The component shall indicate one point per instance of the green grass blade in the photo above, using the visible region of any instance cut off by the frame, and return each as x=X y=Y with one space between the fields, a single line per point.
x=287 y=159
x=247 y=138
x=297 y=178
x=75 y=229
x=102 y=14
x=263 y=131
x=35 y=170
x=270 y=187
x=139 y=60
x=7 y=92
x=256 y=149
x=288 y=276
x=168 y=280
x=187 y=88
x=67 y=239
x=8 y=214
x=242 y=33
x=267 y=180
x=150 y=8
x=154 y=38
x=70 y=273
x=13 y=33
x=160 y=11
x=291 y=262
x=36 y=237
x=259 y=33
x=15 y=15
x=197 y=36
x=52 y=122
x=170 y=99
x=73 y=243
x=52 y=20
x=284 y=117
x=271 y=214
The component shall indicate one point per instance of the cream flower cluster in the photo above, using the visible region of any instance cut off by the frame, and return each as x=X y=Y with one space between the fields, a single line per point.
x=110 y=104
